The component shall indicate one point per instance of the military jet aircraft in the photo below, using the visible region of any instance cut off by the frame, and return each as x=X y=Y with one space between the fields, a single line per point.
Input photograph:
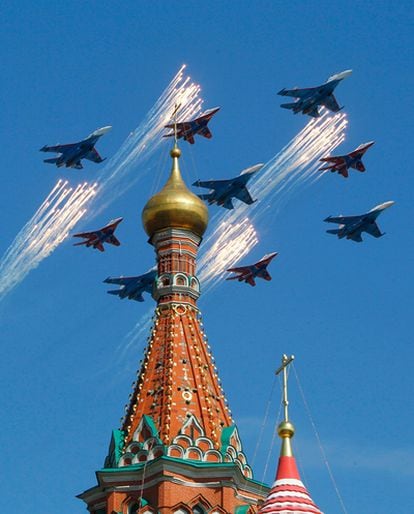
x=309 y=99
x=188 y=129
x=96 y=238
x=351 y=227
x=70 y=155
x=225 y=190
x=249 y=273
x=342 y=163
x=133 y=287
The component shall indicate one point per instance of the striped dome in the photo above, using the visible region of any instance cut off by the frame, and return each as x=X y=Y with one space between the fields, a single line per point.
x=288 y=495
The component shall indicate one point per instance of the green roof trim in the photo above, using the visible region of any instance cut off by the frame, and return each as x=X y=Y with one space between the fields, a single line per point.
x=226 y=434
x=242 y=509
x=115 y=448
x=150 y=424
x=193 y=463
x=118 y=437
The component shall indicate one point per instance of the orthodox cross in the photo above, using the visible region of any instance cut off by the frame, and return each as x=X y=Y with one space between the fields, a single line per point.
x=285 y=363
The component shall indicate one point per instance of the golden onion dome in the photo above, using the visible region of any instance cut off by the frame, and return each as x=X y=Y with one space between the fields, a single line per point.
x=175 y=206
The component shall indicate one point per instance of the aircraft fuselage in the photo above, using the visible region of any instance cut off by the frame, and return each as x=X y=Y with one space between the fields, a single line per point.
x=71 y=157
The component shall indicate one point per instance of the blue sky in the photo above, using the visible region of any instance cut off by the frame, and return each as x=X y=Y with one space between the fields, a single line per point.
x=345 y=310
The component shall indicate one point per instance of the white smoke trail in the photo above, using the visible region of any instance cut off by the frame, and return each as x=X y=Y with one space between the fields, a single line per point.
x=295 y=165
x=227 y=244
x=50 y=225
x=63 y=208
x=136 y=335
x=146 y=138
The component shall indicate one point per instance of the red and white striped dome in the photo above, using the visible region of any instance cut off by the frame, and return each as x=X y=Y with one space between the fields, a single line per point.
x=288 y=495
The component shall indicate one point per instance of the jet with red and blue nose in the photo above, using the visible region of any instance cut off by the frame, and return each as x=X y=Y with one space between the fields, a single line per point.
x=97 y=238
x=188 y=129
x=342 y=163
x=250 y=272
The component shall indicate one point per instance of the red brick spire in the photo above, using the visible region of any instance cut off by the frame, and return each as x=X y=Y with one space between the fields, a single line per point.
x=178 y=450
x=178 y=395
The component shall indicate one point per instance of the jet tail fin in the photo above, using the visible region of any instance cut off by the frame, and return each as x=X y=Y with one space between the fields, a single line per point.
x=52 y=160
x=334 y=231
x=81 y=243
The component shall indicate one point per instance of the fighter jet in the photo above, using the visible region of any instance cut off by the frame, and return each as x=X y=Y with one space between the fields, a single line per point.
x=249 y=273
x=70 y=155
x=309 y=99
x=225 y=190
x=133 y=287
x=96 y=238
x=188 y=129
x=342 y=163
x=351 y=227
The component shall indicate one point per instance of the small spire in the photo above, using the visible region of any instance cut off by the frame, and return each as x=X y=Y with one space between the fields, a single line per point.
x=288 y=495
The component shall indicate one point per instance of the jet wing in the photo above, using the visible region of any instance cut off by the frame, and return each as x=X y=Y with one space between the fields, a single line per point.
x=122 y=281
x=338 y=159
x=235 y=277
x=343 y=220
x=58 y=148
x=334 y=164
x=110 y=227
x=373 y=230
x=358 y=152
x=88 y=235
x=242 y=269
x=244 y=196
x=211 y=184
x=330 y=103
x=181 y=125
x=314 y=112
x=265 y=274
x=113 y=241
x=189 y=138
x=206 y=132
x=359 y=165
x=138 y=297
x=93 y=156
x=297 y=93
x=250 y=280
x=356 y=237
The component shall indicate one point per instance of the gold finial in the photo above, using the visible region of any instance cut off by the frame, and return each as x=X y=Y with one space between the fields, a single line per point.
x=175 y=152
x=175 y=206
x=286 y=429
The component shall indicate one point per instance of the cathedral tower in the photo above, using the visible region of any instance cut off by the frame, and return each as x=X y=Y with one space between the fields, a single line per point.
x=178 y=450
